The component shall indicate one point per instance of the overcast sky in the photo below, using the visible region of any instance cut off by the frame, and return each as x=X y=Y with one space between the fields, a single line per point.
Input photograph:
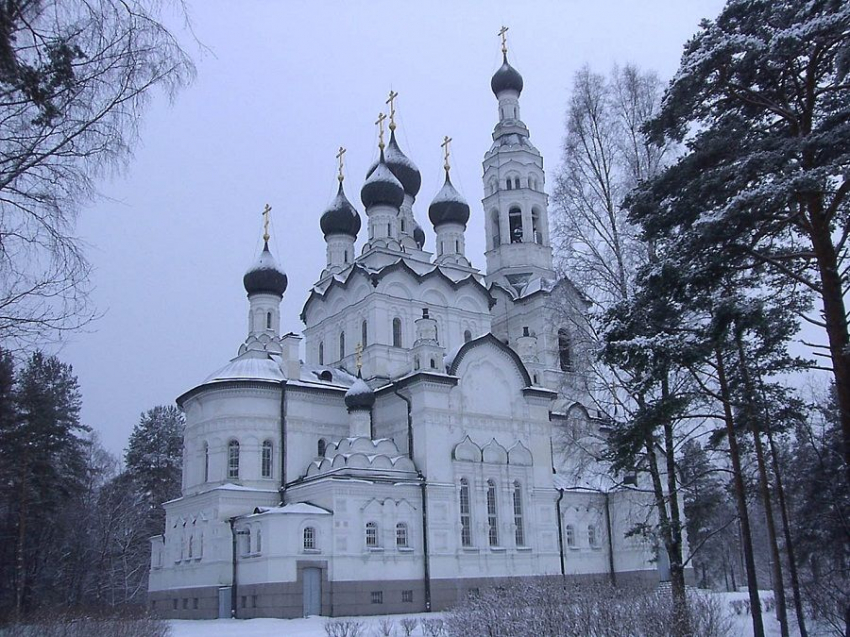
x=282 y=86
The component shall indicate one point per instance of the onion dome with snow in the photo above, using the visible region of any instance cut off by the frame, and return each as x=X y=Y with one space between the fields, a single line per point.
x=448 y=206
x=359 y=396
x=340 y=217
x=419 y=235
x=265 y=277
x=401 y=167
x=507 y=78
x=382 y=187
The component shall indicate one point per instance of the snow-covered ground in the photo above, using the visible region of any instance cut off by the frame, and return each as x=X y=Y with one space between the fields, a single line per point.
x=314 y=626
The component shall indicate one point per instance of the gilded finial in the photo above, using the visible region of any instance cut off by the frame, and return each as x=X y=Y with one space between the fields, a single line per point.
x=266 y=212
x=358 y=357
x=391 y=102
x=446 y=141
x=503 y=34
x=380 y=123
x=339 y=157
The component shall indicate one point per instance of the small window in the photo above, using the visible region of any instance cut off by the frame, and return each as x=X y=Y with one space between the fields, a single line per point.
x=345 y=256
x=206 y=462
x=321 y=353
x=195 y=603
x=433 y=364
x=233 y=459
x=515 y=225
x=592 y=538
x=570 y=532
x=492 y=517
x=509 y=184
x=268 y=320
x=457 y=246
x=364 y=334
x=191 y=546
x=267 y=459
x=244 y=601
x=407 y=597
x=185 y=603
x=401 y=539
x=321 y=447
x=467 y=336
x=516 y=183
x=372 y=534
x=258 y=543
x=377 y=597
x=565 y=357
x=396 y=332
x=341 y=345
x=402 y=225
x=246 y=547
x=465 y=514
x=309 y=538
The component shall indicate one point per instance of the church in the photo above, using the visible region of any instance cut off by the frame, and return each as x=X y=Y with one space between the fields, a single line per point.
x=412 y=446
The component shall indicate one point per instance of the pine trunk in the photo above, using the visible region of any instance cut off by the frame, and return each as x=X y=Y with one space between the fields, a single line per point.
x=740 y=498
x=20 y=548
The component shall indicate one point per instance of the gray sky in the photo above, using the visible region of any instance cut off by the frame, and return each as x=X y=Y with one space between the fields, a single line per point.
x=283 y=85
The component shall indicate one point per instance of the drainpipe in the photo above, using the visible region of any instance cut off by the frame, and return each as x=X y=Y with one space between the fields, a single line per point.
x=427 y=582
x=611 y=572
x=561 y=535
x=233 y=568
x=282 y=439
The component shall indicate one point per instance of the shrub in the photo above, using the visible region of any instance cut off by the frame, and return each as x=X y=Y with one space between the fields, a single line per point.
x=343 y=628
x=127 y=622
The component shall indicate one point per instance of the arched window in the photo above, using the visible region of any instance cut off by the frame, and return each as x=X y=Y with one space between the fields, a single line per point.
x=402 y=225
x=233 y=459
x=321 y=353
x=492 y=517
x=206 y=462
x=516 y=183
x=246 y=547
x=258 y=543
x=364 y=334
x=309 y=538
x=191 y=546
x=465 y=514
x=467 y=336
x=345 y=256
x=267 y=459
x=268 y=320
x=341 y=345
x=509 y=184
x=519 y=531
x=457 y=246
x=320 y=448
x=401 y=538
x=565 y=357
x=591 y=535
x=396 y=332
x=535 y=226
x=570 y=532
x=372 y=534
x=515 y=224
x=389 y=229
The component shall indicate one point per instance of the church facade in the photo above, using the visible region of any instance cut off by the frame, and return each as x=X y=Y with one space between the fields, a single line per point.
x=407 y=450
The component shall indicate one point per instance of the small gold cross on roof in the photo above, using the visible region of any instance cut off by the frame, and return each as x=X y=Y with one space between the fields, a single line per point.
x=503 y=34
x=391 y=102
x=266 y=212
x=380 y=123
x=446 y=141
x=339 y=156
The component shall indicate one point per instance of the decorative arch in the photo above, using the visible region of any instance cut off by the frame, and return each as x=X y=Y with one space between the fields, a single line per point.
x=489 y=339
x=494 y=453
x=467 y=451
x=519 y=455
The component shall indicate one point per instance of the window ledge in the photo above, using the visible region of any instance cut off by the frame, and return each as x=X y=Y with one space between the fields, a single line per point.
x=375 y=549
x=524 y=549
x=312 y=551
x=405 y=549
x=469 y=549
x=497 y=549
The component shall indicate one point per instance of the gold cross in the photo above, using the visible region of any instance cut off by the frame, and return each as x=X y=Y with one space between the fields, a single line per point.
x=502 y=33
x=446 y=141
x=358 y=358
x=339 y=157
x=266 y=212
x=380 y=123
x=391 y=102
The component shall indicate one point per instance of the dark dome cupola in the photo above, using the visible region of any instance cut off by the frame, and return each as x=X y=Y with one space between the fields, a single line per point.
x=448 y=206
x=506 y=78
x=265 y=277
x=382 y=187
x=341 y=217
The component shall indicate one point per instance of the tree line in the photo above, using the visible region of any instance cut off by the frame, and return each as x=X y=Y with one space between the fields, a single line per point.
x=74 y=524
x=707 y=221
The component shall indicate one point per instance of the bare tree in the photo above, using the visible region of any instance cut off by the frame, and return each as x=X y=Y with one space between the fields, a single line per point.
x=75 y=76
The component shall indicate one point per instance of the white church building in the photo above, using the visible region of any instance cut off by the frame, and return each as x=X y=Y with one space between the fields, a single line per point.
x=408 y=450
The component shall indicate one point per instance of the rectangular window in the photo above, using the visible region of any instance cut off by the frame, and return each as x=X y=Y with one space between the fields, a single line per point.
x=492 y=518
x=244 y=601
x=465 y=516
x=377 y=597
x=401 y=535
x=253 y=601
x=519 y=532
x=407 y=597
x=195 y=603
x=185 y=603
x=371 y=534
x=233 y=459
x=267 y=459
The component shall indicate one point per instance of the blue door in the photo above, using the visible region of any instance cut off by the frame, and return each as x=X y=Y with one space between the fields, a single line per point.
x=312 y=581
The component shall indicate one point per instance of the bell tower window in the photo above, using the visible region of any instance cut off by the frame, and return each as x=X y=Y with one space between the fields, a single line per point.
x=535 y=226
x=268 y=320
x=515 y=224
x=364 y=333
x=396 y=332
x=321 y=353
x=565 y=350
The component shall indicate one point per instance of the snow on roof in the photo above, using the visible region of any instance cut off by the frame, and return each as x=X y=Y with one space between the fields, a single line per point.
x=599 y=482
x=247 y=368
x=296 y=508
x=359 y=388
x=229 y=486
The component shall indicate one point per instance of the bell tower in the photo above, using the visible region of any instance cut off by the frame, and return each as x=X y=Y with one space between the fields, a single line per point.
x=515 y=204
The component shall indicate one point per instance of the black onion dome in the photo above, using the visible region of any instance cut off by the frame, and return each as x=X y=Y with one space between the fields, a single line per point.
x=403 y=168
x=265 y=277
x=340 y=217
x=359 y=396
x=448 y=206
x=382 y=187
x=419 y=236
x=507 y=78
